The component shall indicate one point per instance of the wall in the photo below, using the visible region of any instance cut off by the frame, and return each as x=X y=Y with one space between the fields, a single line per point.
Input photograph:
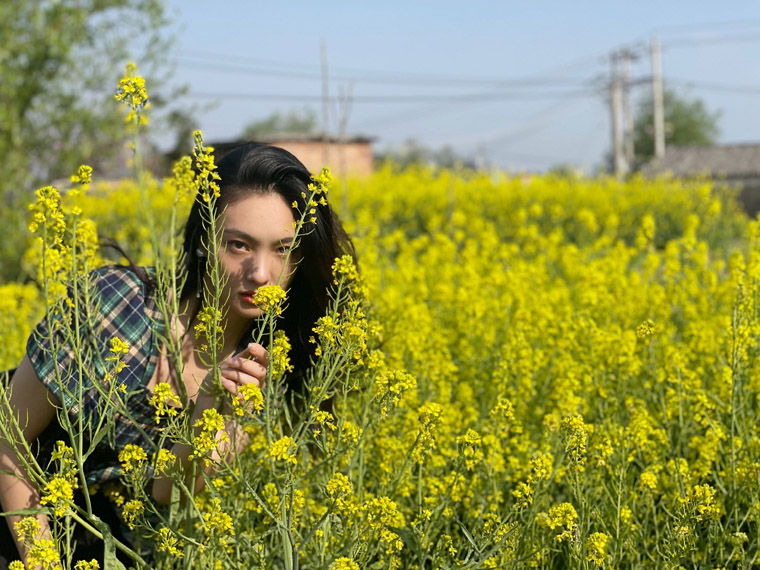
x=351 y=158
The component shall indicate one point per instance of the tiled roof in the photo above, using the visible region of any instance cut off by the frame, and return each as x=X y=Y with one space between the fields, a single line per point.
x=729 y=161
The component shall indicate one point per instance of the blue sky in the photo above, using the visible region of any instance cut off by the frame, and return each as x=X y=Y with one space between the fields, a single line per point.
x=519 y=83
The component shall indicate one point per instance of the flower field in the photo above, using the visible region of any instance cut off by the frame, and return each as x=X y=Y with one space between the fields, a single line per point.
x=530 y=372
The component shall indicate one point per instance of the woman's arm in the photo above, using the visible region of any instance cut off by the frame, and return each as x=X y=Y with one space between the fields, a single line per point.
x=247 y=367
x=30 y=401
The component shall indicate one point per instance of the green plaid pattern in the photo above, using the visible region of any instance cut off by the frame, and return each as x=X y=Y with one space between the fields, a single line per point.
x=122 y=306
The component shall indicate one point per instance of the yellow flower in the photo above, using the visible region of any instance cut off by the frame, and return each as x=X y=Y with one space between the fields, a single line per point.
x=167 y=542
x=40 y=551
x=470 y=448
x=132 y=458
x=283 y=450
x=575 y=435
x=279 y=355
x=59 y=492
x=645 y=329
x=131 y=91
x=83 y=175
x=132 y=510
x=210 y=433
x=44 y=553
x=562 y=516
x=321 y=182
x=27 y=529
x=208 y=327
x=249 y=399
x=344 y=268
x=269 y=298
x=596 y=547
x=218 y=524
x=163 y=460
x=344 y=563
x=703 y=498
x=206 y=177
x=164 y=400
x=390 y=386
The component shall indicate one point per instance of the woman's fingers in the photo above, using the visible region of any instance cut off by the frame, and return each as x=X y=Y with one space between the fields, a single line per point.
x=258 y=353
x=238 y=370
x=249 y=366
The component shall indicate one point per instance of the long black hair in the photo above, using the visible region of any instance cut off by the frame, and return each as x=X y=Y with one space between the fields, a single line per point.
x=260 y=169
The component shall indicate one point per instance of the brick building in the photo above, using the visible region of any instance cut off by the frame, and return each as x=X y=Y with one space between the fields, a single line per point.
x=345 y=157
x=737 y=165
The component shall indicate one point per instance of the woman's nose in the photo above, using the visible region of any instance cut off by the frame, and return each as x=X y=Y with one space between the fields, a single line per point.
x=260 y=270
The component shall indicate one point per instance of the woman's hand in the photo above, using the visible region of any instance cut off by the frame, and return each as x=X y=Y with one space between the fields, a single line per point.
x=247 y=367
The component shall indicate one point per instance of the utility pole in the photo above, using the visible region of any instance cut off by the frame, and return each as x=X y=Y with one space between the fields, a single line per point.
x=617 y=143
x=325 y=103
x=627 y=55
x=657 y=98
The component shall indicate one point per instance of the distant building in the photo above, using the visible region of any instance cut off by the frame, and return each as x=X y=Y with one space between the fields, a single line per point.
x=345 y=157
x=736 y=164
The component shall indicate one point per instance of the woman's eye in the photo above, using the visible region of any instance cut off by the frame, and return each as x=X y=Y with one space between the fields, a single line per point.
x=236 y=244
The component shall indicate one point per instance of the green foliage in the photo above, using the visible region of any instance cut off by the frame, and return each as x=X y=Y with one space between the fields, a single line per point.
x=687 y=122
x=59 y=61
x=295 y=122
x=414 y=153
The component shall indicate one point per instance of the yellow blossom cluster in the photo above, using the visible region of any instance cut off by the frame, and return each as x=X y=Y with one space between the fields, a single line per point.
x=269 y=298
x=132 y=93
x=535 y=371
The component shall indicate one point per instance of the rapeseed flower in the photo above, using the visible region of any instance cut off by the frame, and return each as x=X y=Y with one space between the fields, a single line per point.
x=132 y=511
x=269 y=298
x=344 y=563
x=132 y=92
x=596 y=548
x=560 y=517
x=59 y=493
x=284 y=450
x=132 y=458
x=249 y=399
x=210 y=433
x=164 y=400
x=167 y=542
x=279 y=355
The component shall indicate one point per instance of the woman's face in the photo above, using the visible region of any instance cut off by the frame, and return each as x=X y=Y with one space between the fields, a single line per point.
x=256 y=234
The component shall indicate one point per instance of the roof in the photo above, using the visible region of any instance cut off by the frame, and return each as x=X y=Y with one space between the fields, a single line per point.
x=726 y=161
x=276 y=139
x=300 y=137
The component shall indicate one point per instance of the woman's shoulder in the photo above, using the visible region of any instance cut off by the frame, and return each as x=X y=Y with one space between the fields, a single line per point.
x=122 y=280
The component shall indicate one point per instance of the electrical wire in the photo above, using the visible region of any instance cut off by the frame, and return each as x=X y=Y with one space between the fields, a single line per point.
x=370 y=76
x=403 y=99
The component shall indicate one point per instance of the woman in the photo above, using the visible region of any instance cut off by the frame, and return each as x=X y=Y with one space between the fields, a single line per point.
x=261 y=192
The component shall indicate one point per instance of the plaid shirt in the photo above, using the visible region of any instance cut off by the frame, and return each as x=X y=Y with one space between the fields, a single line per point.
x=122 y=306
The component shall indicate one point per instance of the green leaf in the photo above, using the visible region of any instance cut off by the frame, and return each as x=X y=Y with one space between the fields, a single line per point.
x=101 y=433
x=110 y=562
x=25 y=512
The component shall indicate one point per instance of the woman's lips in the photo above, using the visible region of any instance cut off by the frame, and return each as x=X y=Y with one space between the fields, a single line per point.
x=248 y=296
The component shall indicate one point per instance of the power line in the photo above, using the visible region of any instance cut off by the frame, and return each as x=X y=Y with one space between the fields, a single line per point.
x=710 y=26
x=538 y=122
x=367 y=76
x=465 y=98
x=733 y=39
x=706 y=85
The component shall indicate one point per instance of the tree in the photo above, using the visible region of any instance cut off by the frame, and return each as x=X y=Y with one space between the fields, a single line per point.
x=60 y=61
x=687 y=122
x=414 y=153
x=295 y=122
